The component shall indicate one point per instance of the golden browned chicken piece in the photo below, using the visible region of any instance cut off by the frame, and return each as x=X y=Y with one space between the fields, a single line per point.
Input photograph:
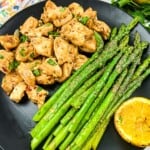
x=6 y=59
x=63 y=15
x=40 y=77
x=58 y=15
x=79 y=61
x=90 y=13
x=9 y=81
x=50 y=67
x=33 y=64
x=36 y=94
x=76 y=9
x=99 y=26
x=48 y=6
x=89 y=45
x=45 y=79
x=25 y=52
x=95 y=24
x=67 y=70
x=73 y=52
x=9 y=42
x=42 y=30
x=29 y=24
x=43 y=45
x=26 y=74
x=76 y=32
x=64 y=51
x=18 y=92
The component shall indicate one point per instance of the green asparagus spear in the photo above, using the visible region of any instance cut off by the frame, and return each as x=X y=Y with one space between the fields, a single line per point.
x=95 y=139
x=127 y=94
x=49 y=115
x=99 y=85
x=82 y=137
x=72 y=135
x=113 y=33
x=124 y=30
x=132 y=69
x=141 y=68
x=66 y=131
x=112 y=108
x=47 y=141
x=101 y=95
x=99 y=41
x=68 y=116
x=85 y=108
x=97 y=88
x=123 y=64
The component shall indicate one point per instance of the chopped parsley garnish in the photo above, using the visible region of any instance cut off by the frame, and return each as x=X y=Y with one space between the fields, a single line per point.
x=62 y=9
x=51 y=62
x=54 y=33
x=47 y=24
x=13 y=65
x=36 y=72
x=22 y=52
x=23 y=38
x=84 y=20
x=39 y=88
x=1 y=57
x=32 y=55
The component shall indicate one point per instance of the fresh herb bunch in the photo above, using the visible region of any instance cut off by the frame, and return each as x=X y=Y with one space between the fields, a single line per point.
x=140 y=8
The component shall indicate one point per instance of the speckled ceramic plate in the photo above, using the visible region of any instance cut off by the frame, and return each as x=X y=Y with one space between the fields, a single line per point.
x=16 y=119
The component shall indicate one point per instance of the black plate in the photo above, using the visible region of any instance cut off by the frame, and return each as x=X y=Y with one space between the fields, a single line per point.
x=16 y=119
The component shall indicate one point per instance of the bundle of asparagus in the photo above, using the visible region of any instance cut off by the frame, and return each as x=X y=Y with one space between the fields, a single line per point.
x=77 y=115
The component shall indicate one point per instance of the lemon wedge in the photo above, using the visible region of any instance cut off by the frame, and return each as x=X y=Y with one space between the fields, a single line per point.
x=132 y=121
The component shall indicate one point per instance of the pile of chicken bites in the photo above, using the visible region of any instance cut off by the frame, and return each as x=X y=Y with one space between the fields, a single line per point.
x=47 y=50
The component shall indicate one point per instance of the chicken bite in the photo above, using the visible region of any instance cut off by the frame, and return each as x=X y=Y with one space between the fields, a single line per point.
x=64 y=51
x=26 y=74
x=33 y=64
x=42 y=30
x=76 y=9
x=63 y=15
x=50 y=67
x=36 y=94
x=29 y=24
x=99 y=26
x=90 y=13
x=89 y=45
x=25 y=52
x=67 y=70
x=58 y=15
x=76 y=32
x=9 y=41
x=45 y=79
x=9 y=81
x=6 y=59
x=48 y=6
x=18 y=92
x=79 y=61
x=43 y=45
